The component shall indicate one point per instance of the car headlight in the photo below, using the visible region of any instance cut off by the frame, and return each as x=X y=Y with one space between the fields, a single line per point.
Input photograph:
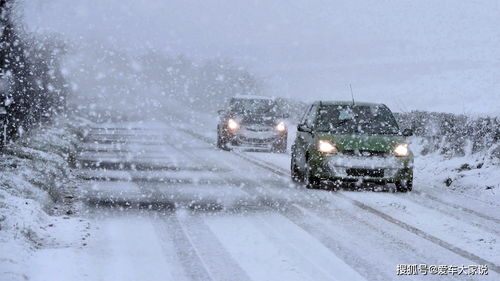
x=281 y=127
x=232 y=124
x=401 y=150
x=325 y=146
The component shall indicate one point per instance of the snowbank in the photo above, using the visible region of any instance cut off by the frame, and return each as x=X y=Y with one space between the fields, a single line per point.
x=456 y=153
x=473 y=175
x=36 y=184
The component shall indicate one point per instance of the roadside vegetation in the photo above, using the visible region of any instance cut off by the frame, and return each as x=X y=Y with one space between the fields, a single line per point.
x=32 y=88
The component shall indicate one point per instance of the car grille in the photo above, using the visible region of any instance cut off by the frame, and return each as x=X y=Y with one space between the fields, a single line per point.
x=366 y=153
x=356 y=172
x=257 y=128
x=257 y=141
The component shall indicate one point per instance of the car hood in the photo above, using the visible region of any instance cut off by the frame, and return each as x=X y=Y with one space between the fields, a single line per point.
x=256 y=119
x=375 y=143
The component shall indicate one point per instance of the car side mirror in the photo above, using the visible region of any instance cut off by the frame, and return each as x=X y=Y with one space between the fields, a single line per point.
x=303 y=128
x=407 y=132
x=286 y=115
x=221 y=112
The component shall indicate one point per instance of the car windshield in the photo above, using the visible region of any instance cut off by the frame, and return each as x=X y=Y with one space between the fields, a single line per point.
x=254 y=106
x=348 y=119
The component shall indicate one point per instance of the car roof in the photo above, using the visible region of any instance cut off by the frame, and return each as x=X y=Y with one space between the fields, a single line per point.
x=347 y=103
x=252 y=97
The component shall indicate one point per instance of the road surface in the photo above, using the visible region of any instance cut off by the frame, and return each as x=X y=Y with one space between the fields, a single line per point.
x=165 y=204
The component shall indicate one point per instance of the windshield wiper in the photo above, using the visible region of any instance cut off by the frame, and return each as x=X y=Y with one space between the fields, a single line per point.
x=342 y=122
x=331 y=127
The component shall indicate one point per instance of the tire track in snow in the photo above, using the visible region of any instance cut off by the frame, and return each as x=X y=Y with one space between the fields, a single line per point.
x=359 y=264
x=280 y=171
x=445 y=209
x=170 y=229
x=393 y=242
x=325 y=265
x=211 y=254
x=352 y=266
x=458 y=207
x=365 y=266
x=194 y=267
x=220 y=263
x=298 y=218
x=195 y=273
x=457 y=250
x=425 y=235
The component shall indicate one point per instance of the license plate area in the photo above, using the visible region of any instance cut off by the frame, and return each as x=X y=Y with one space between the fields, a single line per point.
x=359 y=172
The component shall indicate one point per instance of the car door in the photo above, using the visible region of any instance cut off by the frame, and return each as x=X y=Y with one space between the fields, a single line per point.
x=305 y=136
x=297 y=149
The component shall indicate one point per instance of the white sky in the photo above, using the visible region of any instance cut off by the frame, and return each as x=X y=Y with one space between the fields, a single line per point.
x=425 y=54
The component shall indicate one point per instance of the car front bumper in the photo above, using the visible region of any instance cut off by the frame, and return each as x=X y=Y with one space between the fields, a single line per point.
x=257 y=138
x=374 y=169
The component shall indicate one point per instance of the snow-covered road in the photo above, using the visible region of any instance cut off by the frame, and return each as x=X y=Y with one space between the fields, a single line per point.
x=164 y=204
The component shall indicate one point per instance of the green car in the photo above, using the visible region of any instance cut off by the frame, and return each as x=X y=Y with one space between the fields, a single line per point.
x=339 y=143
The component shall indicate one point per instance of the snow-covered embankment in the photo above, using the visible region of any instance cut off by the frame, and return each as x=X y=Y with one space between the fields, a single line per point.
x=36 y=187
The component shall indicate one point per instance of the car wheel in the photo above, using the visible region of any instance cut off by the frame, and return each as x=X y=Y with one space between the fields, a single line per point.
x=335 y=185
x=295 y=173
x=310 y=180
x=280 y=147
x=3 y=136
x=404 y=185
x=221 y=143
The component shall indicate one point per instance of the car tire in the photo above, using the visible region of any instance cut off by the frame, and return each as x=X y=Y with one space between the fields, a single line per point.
x=221 y=143
x=335 y=186
x=280 y=147
x=3 y=133
x=296 y=175
x=310 y=180
x=404 y=185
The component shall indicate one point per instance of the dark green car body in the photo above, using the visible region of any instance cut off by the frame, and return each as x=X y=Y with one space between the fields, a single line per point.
x=365 y=139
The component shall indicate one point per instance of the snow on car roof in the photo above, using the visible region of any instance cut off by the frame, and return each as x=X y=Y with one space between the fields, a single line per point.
x=348 y=103
x=253 y=97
